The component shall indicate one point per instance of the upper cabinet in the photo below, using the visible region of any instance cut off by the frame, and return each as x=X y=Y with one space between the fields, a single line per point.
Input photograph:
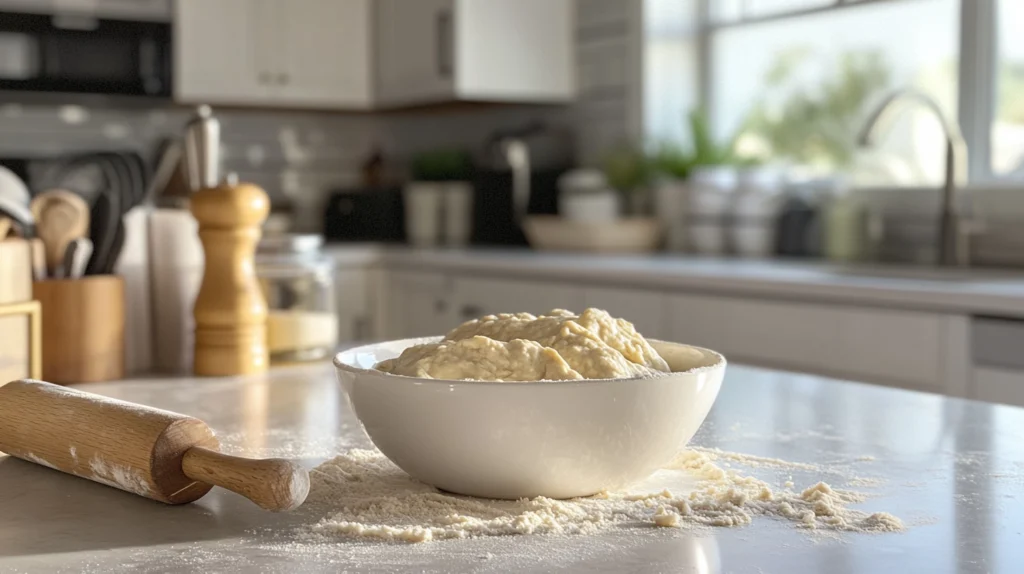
x=358 y=54
x=432 y=51
x=289 y=53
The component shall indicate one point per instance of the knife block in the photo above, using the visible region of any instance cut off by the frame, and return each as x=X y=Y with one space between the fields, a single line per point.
x=83 y=328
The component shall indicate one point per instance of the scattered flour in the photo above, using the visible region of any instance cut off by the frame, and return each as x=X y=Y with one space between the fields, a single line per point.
x=362 y=494
x=118 y=476
x=38 y=460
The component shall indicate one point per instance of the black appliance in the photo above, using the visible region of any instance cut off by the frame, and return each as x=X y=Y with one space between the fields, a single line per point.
x=493 y=214
x=370 y=214
x=85 y=53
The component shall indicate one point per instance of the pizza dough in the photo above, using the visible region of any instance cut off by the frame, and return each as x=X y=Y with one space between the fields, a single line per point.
x=522 y=347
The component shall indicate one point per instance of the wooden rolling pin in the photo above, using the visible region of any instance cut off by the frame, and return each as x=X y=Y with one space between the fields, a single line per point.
x=150 y=452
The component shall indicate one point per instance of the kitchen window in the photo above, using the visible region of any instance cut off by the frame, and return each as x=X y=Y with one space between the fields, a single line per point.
x=1007 y=137
x=797 y=77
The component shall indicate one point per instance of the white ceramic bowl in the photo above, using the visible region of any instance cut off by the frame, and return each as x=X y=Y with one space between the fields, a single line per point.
x=559 y=439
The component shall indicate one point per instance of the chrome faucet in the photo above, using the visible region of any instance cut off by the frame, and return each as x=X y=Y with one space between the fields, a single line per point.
x=954 y=249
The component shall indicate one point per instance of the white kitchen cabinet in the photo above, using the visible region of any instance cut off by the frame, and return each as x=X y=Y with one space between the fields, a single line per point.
x=645 y=309
x=890 y=346
x=214 y=56
x=475 y=297
x=418 y=304
x=295 y=53
x=432 y=51
x=998 y=385
x=354 y=304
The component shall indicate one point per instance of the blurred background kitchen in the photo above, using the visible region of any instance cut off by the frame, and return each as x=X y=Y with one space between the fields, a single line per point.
x=829 y=186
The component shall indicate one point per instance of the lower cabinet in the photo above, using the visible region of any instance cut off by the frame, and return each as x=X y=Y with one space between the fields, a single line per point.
x=890 y=346
x=894 y=347
x=475 y=297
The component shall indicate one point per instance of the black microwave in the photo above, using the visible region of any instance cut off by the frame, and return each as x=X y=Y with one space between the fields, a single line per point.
x=72 y=53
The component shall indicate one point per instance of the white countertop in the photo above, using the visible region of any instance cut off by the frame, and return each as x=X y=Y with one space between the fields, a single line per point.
x=980 y=291
x=953 y=470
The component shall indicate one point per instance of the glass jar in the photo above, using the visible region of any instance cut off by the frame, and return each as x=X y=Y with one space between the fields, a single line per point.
x=297 y=280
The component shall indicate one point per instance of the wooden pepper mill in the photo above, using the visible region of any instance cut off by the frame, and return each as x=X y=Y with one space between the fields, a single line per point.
x=230 y=311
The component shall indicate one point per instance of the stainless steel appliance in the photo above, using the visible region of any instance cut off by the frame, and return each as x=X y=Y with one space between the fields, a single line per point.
x=51 y=48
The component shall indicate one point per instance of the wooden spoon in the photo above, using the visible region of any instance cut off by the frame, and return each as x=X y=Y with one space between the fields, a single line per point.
x=61 y=217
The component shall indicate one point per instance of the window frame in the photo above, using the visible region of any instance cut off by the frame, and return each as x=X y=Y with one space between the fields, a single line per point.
x=977 y=81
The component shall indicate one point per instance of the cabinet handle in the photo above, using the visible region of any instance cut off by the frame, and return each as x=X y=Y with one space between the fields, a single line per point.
x=443 y=29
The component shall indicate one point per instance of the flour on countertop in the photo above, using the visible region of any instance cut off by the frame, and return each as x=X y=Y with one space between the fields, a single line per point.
x=118 y=476
x=361 y=494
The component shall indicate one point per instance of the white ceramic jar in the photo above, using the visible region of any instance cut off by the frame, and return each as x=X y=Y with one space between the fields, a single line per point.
x=755 y=211
x=711 y=193
x=584 y=195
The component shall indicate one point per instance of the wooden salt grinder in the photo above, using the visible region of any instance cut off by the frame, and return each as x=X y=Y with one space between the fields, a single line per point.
x=230 y=312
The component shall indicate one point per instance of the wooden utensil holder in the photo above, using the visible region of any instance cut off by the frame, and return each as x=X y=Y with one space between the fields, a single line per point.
x=83 y=328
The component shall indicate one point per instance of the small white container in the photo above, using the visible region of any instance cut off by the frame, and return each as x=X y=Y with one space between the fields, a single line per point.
x=754 y=212
x=424 y=202
x=584 y=195
x=711 y=195
x=670 y=199
x=458 y=213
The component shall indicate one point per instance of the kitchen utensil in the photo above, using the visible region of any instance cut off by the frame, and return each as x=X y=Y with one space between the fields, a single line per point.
x=559 y=439
x=154 y=453
x=627 y=235
x=38 y=259
x=167 y=187
x=106 y=218
x=202 y=150
x=83 y=328
x=61 y=217
x=77 y=257
x=14 y=201
x=230 y=312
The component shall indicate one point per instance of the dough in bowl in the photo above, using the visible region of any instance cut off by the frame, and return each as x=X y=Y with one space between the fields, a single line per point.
x=522 y=347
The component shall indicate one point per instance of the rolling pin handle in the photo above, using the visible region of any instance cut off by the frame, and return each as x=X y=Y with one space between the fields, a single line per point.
x=274 y=484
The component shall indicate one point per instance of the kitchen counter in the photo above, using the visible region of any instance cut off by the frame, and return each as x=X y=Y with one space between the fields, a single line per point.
x=952 y=469
x=977 y=291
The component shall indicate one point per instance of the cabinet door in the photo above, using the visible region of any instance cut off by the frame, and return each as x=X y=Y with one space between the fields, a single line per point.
x=217 y=51
x=417 y=305
x=516 y=50
x=478 y=297
x=645 y=309
x=998 y=385
x=325 y=61
x=353 y=304
x=415 y=51
x=904 y=348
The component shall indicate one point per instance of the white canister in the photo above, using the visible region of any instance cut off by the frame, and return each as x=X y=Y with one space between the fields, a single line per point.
x=424 y=202
x=711 y=195
x=458 y=213
x=584 y=195
x=755 y=211
x=670 y=199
